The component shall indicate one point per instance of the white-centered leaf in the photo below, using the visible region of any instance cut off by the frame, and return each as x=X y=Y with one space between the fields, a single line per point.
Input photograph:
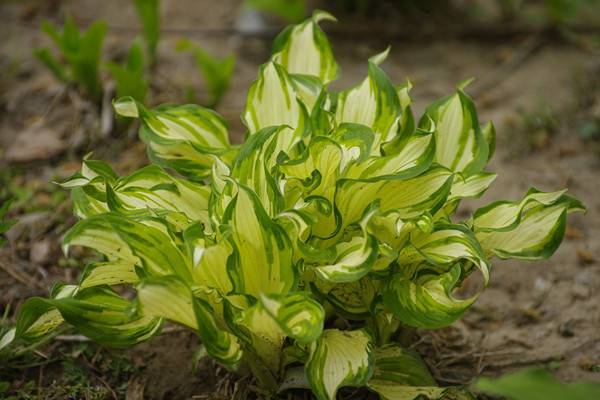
x=337 y=359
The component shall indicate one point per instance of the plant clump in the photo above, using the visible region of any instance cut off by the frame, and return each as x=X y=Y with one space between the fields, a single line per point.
x=301 y=254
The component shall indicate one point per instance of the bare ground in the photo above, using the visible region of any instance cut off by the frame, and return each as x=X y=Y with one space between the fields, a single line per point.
x=545 y=313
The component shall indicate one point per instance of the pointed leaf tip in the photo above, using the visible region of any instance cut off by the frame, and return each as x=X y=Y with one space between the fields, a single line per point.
x=126 y=107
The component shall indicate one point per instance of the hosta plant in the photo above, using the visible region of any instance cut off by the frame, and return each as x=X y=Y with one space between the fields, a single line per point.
x=301 y=255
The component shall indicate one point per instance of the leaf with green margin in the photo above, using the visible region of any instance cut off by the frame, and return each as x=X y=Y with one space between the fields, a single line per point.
x=304 y=49
x=531 y=229
x=323 y=155
x=426 y=302
x=152 y=188
x=460 y=144
x=105 y=317
x=472 y=186
x=185 y=138
x=209 y=260
x=255 y=163
x=339 y=358
x=353 y=300
x=373 y=103
x=414 y=158
x=401 y=374
x=170 y=298
x=108 y=273
x=120 y=238
x=259 y=330
x=354 y=259
x=298 y=315
x=273 y=101
x=446 y=245
x=261 y=262
x=98 y=313
x=506 y=215
x=410 y=197
x=311 y=92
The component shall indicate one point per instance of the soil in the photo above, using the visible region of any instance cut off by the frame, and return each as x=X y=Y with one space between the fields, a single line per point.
x=538 y=89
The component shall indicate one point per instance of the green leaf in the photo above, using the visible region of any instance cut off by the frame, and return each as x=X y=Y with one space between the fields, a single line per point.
x=339 y=358
x=129 y=78
x=272 y=101
x=304 y=49
x=409 y=198
x=149 y=14
x=530 y=229
x=108 y=273
x=261 y=262
x=536 y=384
x=445 y=245
x=461 y=145
x=50 y=61
x=353 y=300
x=146 y=245
x=353 y=260
x=217 y=72
x=81 y=52
x=400 y=374
x=185 y=138
x=426 y=302
x=298 y=315
x=289 y=10
x=373 y=103
x=105 y=317
x=471 y=186
x=5 y=225
x=170 y=298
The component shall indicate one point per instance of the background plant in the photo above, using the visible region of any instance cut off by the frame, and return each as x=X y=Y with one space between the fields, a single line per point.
x=216 y=72
x=149 y=15
x=129 y=77
x=289 y=10
x=79 y=55
x=302 y=254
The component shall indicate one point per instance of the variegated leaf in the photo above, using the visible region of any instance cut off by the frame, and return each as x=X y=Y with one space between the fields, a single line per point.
x=273 y=101
x=304 y=49
x=426 y=301
x=530 y=229
x=460 y=144
x=298 y=315
x=185 y=138
x=339 y=358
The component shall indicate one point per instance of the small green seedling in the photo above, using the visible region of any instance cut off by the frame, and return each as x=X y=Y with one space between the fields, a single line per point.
x=79 y=55
x=5 y=224
x=302 y=254
x=291 y=11
x=216 y=72
x=129 y=77
x=149 y=14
